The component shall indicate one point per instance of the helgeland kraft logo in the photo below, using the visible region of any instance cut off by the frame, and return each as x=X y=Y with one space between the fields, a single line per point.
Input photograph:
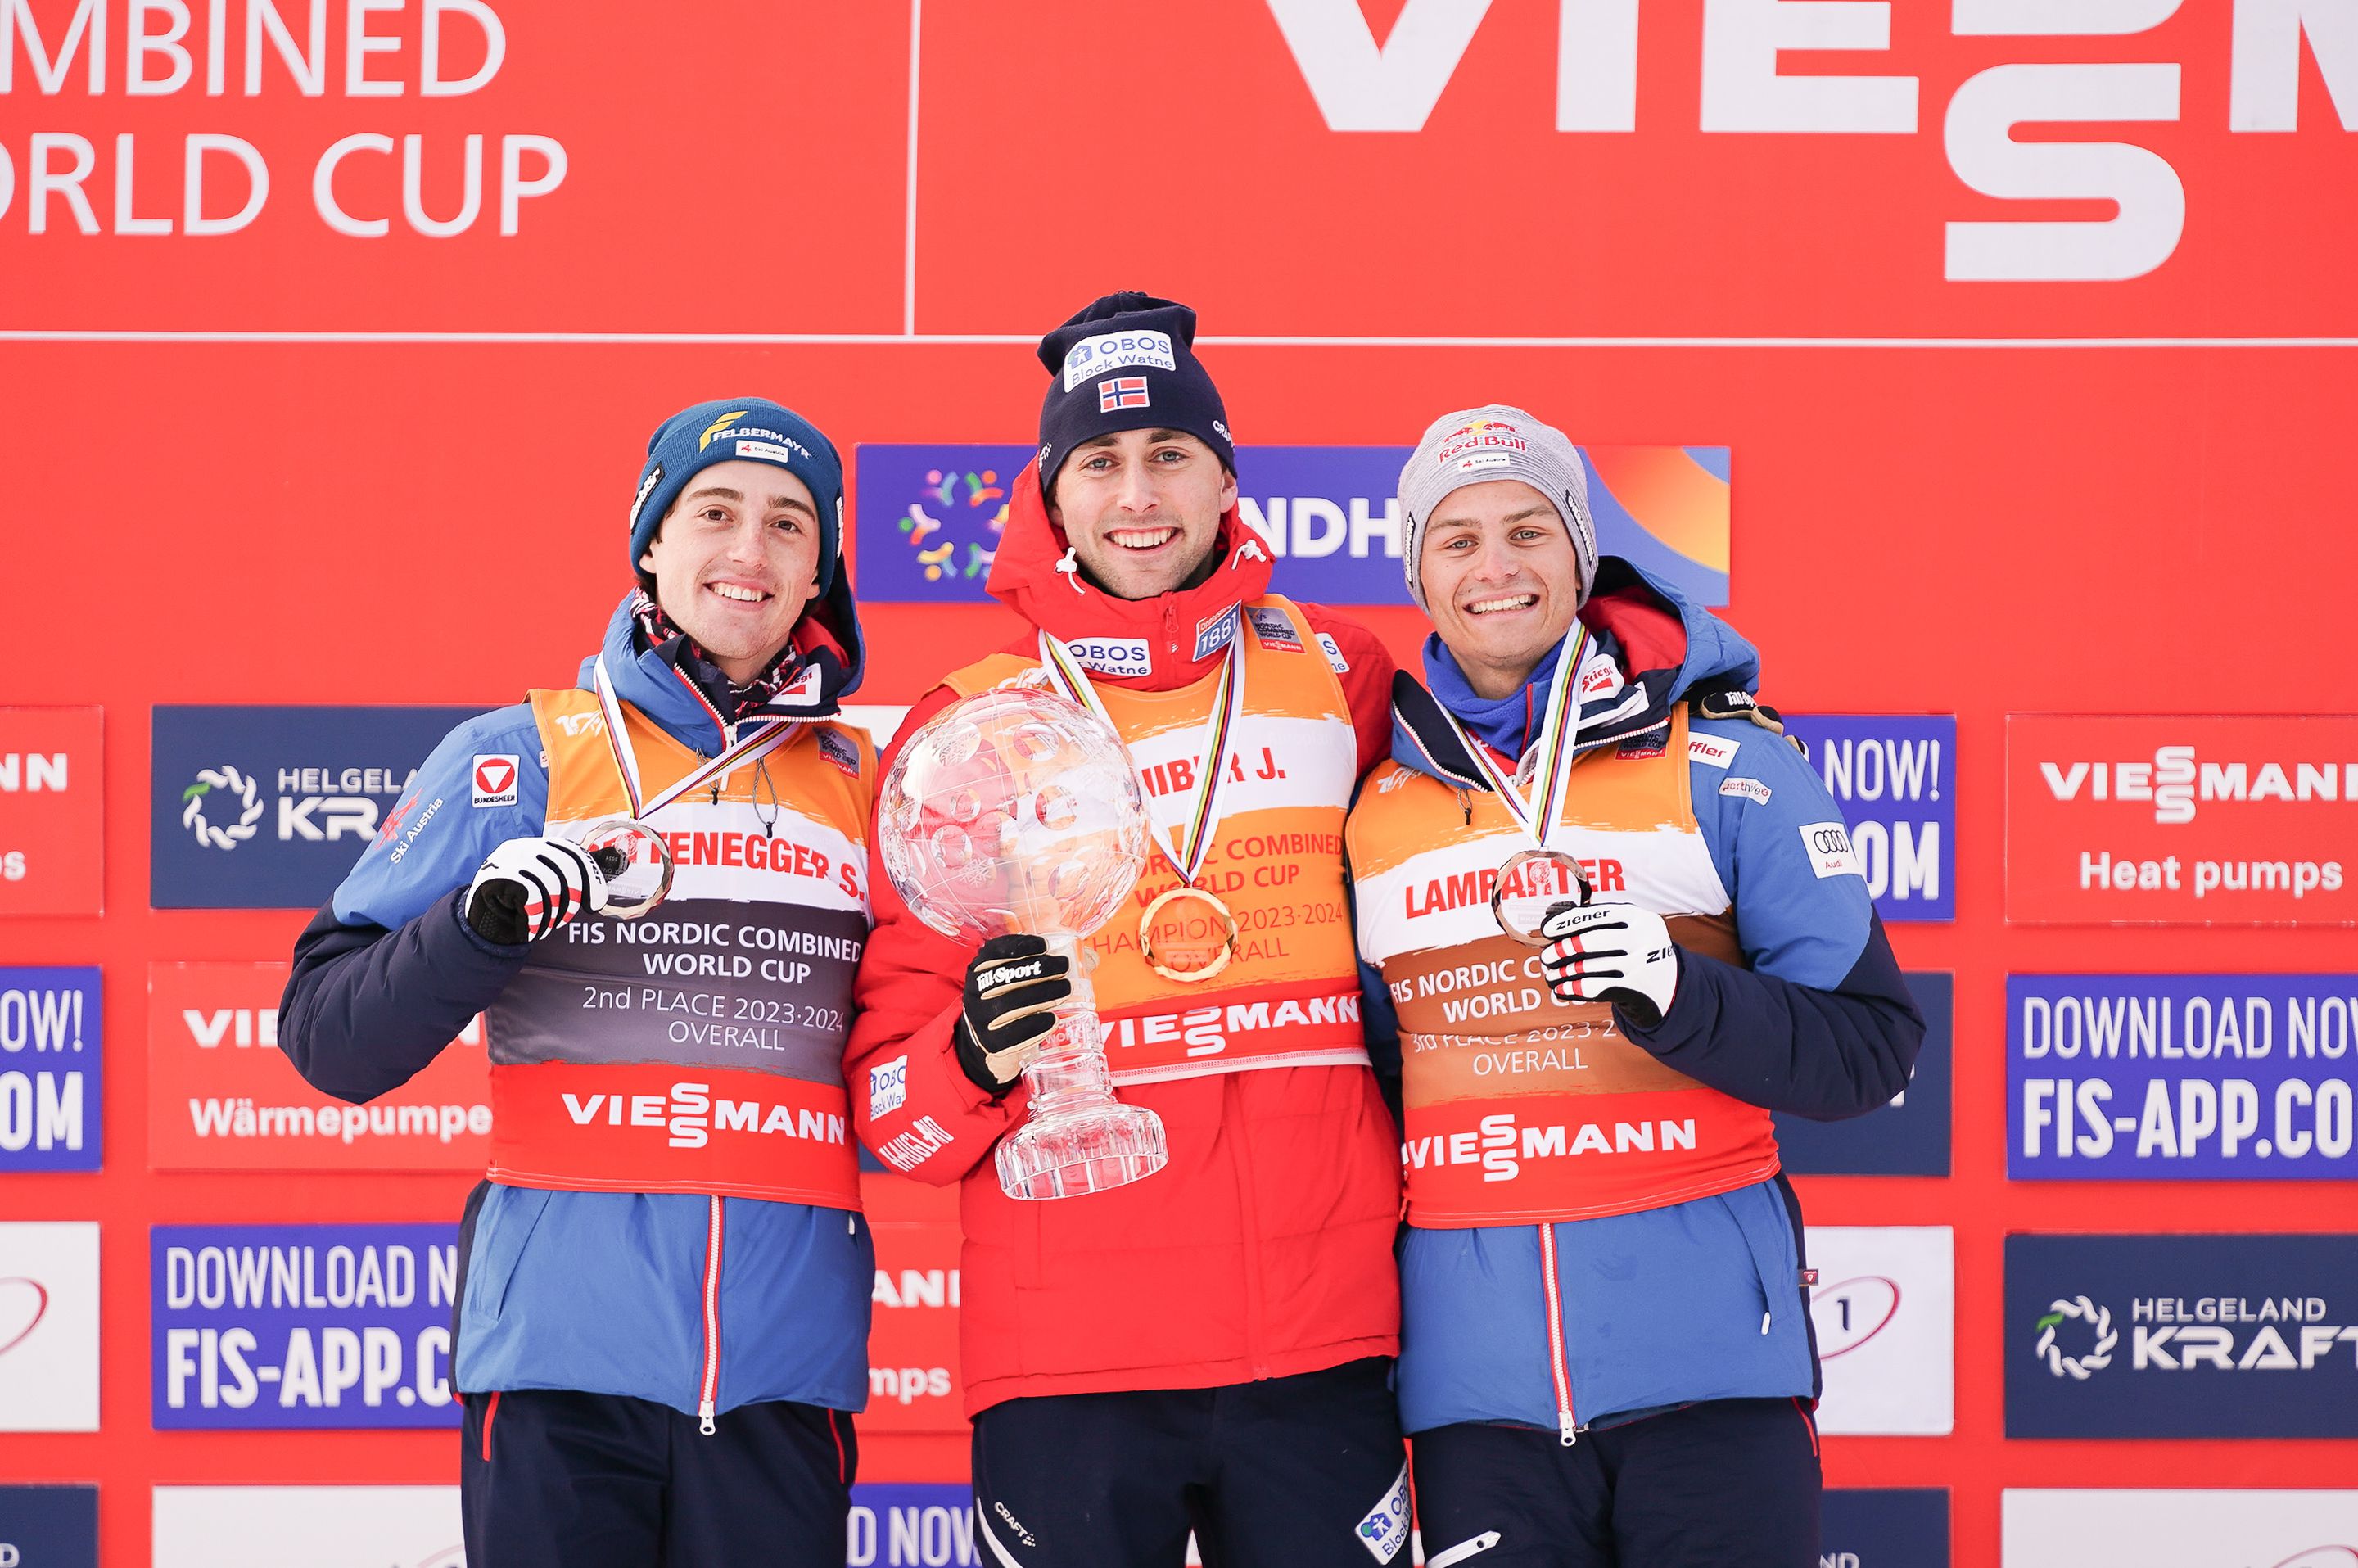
x=239 y=804
x=2096 y=1344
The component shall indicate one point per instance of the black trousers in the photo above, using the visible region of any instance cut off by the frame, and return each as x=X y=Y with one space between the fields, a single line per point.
x=1303 y=1472
x=1724 y=1484
x=550 y=1479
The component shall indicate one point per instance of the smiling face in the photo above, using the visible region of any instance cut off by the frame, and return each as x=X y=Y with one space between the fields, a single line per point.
x=735 y=559
x=1141 y=509
x=1500 y=578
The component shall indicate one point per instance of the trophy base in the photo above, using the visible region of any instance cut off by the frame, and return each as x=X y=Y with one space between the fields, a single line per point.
x=1091 y=1151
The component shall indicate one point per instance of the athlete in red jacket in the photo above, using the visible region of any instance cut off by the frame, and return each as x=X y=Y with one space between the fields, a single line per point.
x=1211 y=1345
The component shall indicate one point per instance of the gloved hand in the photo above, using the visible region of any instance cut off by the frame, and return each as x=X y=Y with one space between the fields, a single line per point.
x=1010 y=989
x=1616 y=953
x=529 y=886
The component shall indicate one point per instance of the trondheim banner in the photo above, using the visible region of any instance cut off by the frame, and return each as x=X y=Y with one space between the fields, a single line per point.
x=48 y=1325
x=1883 y=1527
x=49 y=1527
x=268 y=807
x=1885 y=1310
x=1895 y=780
x=2187 y=821
x=51 y=812
x=52 y=1061
x=220 y=1096
x=1909 y=1137
x=2181 y=1336
x=308 y=1527
x=2171 y=1077
x=2076 y=1527
x=303 y=1325
x=930 y=515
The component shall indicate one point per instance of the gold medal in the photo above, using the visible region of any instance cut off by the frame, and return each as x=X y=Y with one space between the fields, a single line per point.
x=1532 y=884
x=1204 y=943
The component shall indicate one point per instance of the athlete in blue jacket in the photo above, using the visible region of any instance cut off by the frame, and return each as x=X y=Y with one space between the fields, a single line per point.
x=663 y=1314
x=1606 y=1355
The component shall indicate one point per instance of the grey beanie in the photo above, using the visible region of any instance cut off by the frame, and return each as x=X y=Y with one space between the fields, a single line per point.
x=1475 y=445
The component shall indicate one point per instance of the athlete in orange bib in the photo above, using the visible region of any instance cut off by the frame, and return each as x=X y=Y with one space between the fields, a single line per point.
x=1605 y=1353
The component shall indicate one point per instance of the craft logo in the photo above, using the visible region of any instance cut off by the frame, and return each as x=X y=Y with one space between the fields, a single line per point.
x=2179 y=1528
x=2166 y=1077
x=49 y=1527
x=222 y=1096
x=51 y=809
x=307 y=1526
x=303 y=1325
x=1878 y=1527
x=930 y=516
x=269 y=807
x=1884 y=1308
x=48 y=1326
x=2181 y=1336
x=913 y=1361
x=2181 y=821
x=1894 y=779
x=919 y=1525
x=1909 y=1137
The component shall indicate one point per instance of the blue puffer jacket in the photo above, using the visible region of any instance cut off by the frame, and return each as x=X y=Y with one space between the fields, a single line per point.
x=1698 y=1300
x=595 y=1292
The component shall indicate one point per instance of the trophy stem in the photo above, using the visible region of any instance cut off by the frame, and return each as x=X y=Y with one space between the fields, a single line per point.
x=1077 y=1138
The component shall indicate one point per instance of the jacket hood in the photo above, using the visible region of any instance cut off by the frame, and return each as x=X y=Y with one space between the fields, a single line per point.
x=827 y=636
x=1180 y=632
x=1670 y=650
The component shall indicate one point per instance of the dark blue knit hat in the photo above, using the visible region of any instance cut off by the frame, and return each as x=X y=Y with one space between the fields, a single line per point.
x=754 y=429
x=1126 y=362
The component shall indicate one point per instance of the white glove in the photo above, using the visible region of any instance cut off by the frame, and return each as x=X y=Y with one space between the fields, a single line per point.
x=1614 y=953
x=529 y=886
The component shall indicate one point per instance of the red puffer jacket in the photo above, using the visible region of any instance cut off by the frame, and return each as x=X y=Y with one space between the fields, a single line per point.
x=1264 y=1249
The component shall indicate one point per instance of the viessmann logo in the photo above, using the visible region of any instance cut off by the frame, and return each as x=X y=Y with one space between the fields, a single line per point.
x=2178 y=780
x=689 y=1115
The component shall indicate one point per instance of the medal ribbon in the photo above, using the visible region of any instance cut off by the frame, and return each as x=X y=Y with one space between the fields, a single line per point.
x=1551 y=765
x=1211 y=774
x=760 y=741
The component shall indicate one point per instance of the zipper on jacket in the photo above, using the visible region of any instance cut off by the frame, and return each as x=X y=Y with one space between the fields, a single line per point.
x=1170 y=628
x=1567 y=1424
x=708 y=1393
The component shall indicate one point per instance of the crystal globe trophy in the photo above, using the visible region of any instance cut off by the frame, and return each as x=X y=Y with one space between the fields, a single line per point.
x=1016 y=810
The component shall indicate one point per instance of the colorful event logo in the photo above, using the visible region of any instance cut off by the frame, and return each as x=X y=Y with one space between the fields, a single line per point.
x=1884 y=1526
x=221 y=1096
x=2170 y=1078
x=1885 y=1311
x=1896 y=779
x=303 y=1325
x=268 y=807
x=307 y=1526
x=2182 y=1336
x=49 y=1527
x=2191 y=821
x=930 y=514
x=1910 y=1137
x=50 y=1069
x=51 y=829
x=2178 y=1529
x=48 y=1325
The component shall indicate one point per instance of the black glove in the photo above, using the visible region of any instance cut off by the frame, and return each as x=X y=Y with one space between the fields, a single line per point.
x=529 y=886
x=1010 y=987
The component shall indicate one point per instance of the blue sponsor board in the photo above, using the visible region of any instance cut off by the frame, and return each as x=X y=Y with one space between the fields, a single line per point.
x=2182 y=1336
x=49 y=1527
x=930 y=515
x=1910 y=1137
x=1896 y=781
x=2171 y=1077
x=910 y=1525
x=1879 y=1527
x=268 y=807
x=337 y=1326
x=49 y=1069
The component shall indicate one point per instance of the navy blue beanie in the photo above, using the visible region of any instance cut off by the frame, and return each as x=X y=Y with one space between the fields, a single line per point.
x=755 y=429
x=1126 y=362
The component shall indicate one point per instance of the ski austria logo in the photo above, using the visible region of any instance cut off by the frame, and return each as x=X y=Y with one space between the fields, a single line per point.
x=240 y=809
x=2099 y=1330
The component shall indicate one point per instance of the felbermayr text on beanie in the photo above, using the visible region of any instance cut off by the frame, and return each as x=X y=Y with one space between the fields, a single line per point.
x=729 y=430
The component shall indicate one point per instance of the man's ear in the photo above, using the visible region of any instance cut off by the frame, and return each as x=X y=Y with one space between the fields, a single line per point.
x=647 y=559
x=1227 y=488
